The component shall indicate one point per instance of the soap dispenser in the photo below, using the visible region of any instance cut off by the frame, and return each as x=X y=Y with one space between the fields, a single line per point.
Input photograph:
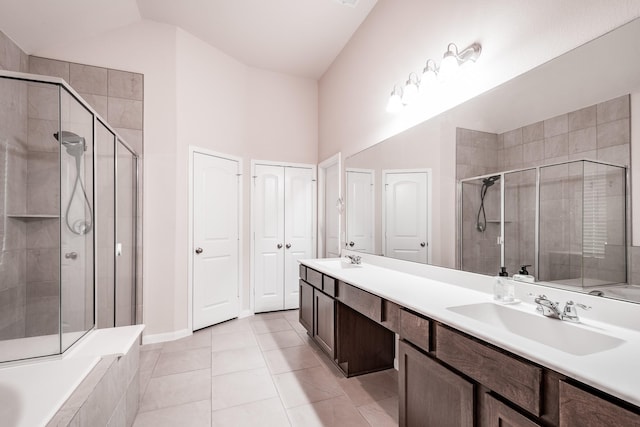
x=498 y=285
x=523 y=275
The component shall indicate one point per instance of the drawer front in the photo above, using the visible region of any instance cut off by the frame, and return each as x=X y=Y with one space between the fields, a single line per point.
x=414 y=329
x=314 y=278
x=579 y=408
x=391 y=316
x=302 y=272
x=329 y=285
x=361 y=301
x=518 y=381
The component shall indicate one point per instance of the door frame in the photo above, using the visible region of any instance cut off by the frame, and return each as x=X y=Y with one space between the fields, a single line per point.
x=372 y=172
x=383 y=201
x=192 y=151
x=314 y=172
x=336 y=159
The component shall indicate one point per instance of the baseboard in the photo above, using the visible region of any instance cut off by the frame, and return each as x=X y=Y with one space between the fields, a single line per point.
x=167 y=336
x=245 y=313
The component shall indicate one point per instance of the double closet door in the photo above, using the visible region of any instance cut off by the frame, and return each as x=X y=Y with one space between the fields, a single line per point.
x=284 y=232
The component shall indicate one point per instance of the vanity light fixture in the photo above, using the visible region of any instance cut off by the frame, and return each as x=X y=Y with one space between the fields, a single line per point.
x=410 y=91
x=452 y=61
x=395 y=100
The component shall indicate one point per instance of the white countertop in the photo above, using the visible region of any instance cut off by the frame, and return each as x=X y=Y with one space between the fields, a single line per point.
x=615 y=371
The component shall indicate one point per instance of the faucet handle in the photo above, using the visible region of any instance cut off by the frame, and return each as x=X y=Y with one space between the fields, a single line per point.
x=570 y=313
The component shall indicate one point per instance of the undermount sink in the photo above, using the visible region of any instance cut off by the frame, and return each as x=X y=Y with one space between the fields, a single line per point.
x=558 y=334
x=338 y=263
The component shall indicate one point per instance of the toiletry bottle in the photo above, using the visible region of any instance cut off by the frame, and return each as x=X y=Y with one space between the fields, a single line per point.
x=498 y=286
x=508 y=291
x=523 y=275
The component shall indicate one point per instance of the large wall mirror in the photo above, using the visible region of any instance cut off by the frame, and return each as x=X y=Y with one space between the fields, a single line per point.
x=514 y=176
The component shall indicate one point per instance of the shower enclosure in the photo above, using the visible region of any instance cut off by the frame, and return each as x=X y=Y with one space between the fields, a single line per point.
x=67 y=219
x=566 y=222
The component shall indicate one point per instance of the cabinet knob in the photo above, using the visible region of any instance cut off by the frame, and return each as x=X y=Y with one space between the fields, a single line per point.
x=199 y=251
x=279 y=245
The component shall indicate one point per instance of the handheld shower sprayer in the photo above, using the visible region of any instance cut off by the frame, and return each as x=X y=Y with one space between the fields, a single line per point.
x=76 y=146
x=481 y=223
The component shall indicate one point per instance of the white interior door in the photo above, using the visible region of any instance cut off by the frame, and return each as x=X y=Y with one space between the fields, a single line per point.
x=331 y=214
x=298 y=228
x=268 y=224
x=406 y=215
x=216 y=261
x=360 y=210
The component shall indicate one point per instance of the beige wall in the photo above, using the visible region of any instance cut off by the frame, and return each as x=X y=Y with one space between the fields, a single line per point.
x=197 y=95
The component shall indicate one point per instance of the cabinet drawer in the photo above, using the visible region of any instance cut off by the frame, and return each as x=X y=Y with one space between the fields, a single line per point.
x=518 y=381
x=314 y=278
x=361 y=301
x=414 y=329
x=391 y=316
x=329 y=285
x=579 y=408
x=302 y=272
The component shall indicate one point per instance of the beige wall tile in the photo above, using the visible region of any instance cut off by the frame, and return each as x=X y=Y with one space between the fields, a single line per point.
x=40 y=135
x=88 y=79
x=49 y=67
x=582 y=140
x=556 y=126
x=125 y=113
x=583 y=118
x=10 y=54
x=556 y=146
x=513 y=157
x=614 y=109
x=133 y=137
x=613 y=133
x=99 y=103
x=512 y=138
x=533 y=132
x=123 y=84
x=43 y=102
x=617 y=154
x=42 y=183
x=533 y=152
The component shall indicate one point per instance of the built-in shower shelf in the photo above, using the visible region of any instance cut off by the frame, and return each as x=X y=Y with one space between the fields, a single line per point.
x=497 y=221
x=32 y=217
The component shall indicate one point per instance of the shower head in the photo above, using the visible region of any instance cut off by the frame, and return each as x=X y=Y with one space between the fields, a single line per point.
x=75 y=144
x=488 y=182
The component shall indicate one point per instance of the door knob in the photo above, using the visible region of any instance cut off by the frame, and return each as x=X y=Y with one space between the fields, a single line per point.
x=423 y=244
x=288 y=245
x=279 y=245
x=352 y=244
x=199 y=251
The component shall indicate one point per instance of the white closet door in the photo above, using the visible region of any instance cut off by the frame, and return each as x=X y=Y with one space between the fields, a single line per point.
x=268 y=223
x=215 y=237
x=360 y=213
x=331 y=214
x=406 y=216
x=298 y=225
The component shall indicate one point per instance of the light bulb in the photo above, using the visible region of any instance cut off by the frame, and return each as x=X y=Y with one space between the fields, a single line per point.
x=449 y=65
x=429 y=76
x=410 y=92
x=394 y=105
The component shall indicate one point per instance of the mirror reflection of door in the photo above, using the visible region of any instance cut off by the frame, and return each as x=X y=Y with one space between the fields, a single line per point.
x=360 y=210
x=331 y=214
x=406 y=215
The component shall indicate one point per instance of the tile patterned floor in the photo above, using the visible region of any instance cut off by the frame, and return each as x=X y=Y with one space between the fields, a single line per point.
x=262 y=370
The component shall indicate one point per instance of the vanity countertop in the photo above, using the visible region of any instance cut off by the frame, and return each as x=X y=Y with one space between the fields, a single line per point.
x=614 y=371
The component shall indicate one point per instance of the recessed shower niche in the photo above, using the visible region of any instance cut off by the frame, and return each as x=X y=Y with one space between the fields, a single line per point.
x=57 y=215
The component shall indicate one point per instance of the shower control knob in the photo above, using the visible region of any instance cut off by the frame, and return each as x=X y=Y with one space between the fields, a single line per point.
x=279 y=245
x=288 y=245
x=199 y=251
x=423 y=244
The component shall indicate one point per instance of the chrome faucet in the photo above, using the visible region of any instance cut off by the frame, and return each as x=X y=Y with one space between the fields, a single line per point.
x=354 y=259
x=550 y=309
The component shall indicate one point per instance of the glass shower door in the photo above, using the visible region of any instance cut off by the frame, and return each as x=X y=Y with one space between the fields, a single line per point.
x=126 y=216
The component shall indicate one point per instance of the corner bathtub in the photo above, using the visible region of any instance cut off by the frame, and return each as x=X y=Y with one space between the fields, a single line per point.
x=32 y=393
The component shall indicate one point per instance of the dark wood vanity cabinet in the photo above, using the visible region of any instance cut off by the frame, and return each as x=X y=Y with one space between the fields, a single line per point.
x=431 y=394
x=580 y=408
x=306 y=306
x=499 y=414
x=324 y=322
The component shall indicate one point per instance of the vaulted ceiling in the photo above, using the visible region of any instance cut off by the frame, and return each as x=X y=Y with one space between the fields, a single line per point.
x=296 y=37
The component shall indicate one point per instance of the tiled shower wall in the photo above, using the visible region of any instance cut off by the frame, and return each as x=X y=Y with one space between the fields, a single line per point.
x=13 y=184
x=599 y=132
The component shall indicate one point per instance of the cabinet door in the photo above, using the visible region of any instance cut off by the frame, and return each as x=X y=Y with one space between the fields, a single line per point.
x=306 y=306
x=579 y=408
x=430 y=394
x=501 y=415
x=324 y=309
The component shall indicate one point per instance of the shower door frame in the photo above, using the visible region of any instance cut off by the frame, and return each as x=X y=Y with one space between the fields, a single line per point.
x=502 y=174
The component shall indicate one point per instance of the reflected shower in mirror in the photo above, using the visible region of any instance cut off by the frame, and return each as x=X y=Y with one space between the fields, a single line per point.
x=562 y=111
